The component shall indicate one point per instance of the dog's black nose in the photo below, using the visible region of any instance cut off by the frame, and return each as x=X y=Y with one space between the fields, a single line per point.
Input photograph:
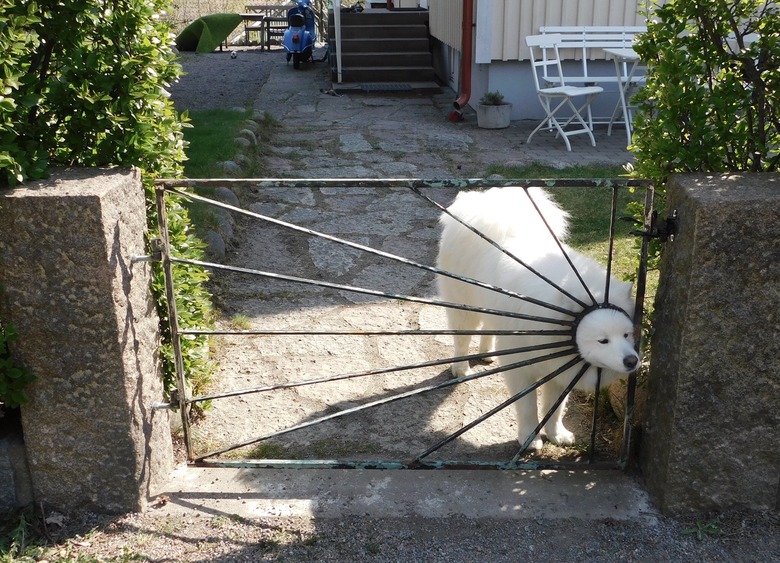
x=630 y=361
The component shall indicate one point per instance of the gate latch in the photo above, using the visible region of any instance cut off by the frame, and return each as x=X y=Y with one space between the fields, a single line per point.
x=664 y=230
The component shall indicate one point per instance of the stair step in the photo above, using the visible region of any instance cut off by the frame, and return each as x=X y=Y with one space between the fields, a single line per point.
x=421 y=58
x=382 y=17
x=418 y=31
x=388 y=74
x=384 y=45
x=392 y=87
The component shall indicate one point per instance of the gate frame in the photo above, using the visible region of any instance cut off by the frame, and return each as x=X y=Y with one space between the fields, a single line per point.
x=180 y=400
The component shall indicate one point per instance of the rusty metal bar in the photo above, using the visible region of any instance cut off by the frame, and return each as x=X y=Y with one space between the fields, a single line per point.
x=173 y=320
x=459 y=183
x=639 y=309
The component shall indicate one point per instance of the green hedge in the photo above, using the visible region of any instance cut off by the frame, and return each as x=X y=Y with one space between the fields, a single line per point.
x=83 y=83
x=712 y=98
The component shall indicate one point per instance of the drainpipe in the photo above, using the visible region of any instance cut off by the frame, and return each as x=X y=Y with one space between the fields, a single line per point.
x=467 y=42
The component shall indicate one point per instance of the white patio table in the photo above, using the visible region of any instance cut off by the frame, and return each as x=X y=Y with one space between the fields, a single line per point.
x=626 y=64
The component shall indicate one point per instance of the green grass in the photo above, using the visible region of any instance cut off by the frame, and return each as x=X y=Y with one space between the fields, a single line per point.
x=211 y=139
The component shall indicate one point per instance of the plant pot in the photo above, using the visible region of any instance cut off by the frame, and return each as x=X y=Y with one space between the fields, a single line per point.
x=493 y=117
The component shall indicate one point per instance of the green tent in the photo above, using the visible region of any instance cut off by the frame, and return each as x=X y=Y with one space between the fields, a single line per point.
x=207 y=33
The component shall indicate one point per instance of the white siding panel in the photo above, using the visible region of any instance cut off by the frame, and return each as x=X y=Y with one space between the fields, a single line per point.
x=511 y=31
x=535 y=13
x=484 y=35
x=445 y=20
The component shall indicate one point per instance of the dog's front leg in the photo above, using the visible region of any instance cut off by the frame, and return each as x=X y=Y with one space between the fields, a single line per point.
x=525 y=407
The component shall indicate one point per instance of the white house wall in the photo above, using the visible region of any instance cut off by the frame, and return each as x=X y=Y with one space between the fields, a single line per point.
x=500 y=56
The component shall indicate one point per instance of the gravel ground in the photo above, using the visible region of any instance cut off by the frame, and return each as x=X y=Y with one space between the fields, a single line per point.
x=214 y=81
x=226 y=538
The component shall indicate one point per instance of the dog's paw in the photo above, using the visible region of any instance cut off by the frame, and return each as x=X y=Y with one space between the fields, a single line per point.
x=536 y=444
x=461 y=369
x=561 y=436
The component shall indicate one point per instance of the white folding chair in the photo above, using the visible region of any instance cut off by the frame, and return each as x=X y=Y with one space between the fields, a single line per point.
x=554 y=94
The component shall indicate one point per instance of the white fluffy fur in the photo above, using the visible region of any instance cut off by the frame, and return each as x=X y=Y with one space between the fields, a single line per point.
x=507 y=216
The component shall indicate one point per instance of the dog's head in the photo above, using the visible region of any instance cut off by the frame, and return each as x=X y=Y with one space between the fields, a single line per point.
x=605 y=339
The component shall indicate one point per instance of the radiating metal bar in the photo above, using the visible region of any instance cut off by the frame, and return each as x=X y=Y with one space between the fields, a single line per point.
x=373 y=292
x=390 y=399
x=500 y=407
x=564 y=254
x=612 y=224
x=549 y=414
x=382 y=371
x=374 y=251
x=595 y=419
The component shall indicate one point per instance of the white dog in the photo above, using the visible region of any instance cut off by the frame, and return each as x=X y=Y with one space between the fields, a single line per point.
x=603 y=333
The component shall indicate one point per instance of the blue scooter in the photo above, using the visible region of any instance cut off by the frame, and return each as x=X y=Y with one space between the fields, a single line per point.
x=300 y=34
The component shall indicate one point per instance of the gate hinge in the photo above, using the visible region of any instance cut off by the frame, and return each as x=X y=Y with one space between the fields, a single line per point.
x=156 y=247
x=173 y=403
x=664 y=230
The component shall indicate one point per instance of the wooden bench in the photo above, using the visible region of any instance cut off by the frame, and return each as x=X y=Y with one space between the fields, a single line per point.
x=274 y=30
x=587 y=43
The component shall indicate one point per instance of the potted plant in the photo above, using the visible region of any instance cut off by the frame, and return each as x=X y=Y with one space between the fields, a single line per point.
x=492 y=111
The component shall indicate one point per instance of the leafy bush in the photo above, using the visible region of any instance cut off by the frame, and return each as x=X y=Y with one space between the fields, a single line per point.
x=712 y=98
x=83 y=83
x=13 y=378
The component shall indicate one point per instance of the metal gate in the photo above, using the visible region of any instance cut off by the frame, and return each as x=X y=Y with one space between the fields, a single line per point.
x=483 y=404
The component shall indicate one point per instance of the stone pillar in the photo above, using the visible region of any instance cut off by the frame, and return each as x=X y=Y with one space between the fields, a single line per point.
x=711 y=438
x=88 y=330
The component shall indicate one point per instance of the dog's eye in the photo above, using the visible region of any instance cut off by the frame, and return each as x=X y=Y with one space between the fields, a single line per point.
x=604 y=341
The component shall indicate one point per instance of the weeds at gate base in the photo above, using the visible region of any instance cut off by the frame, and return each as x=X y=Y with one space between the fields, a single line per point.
x=704 y=529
